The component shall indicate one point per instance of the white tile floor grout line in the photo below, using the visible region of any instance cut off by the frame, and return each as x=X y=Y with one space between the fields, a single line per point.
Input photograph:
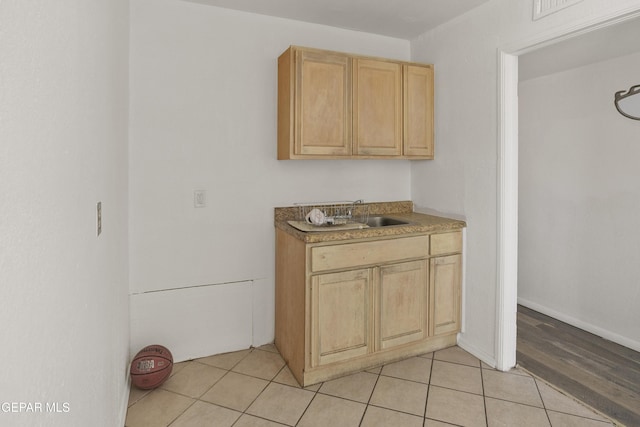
x=283 y=379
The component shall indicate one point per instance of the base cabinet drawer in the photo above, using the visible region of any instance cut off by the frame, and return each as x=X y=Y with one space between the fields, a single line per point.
x=446 y=243
x=336 y=257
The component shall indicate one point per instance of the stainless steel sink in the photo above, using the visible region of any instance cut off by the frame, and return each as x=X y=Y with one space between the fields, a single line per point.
x=384 y=221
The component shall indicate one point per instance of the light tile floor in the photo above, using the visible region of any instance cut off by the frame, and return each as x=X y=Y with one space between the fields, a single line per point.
x=449 y=387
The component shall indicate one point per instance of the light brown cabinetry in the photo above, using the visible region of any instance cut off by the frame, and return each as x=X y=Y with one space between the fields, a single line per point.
x=445 y=277
x=402 y=303
x=418 y=107
x=314 y=103
x=377 y=112
x=333 y=105
x=340 y=313
x=345 y=306
x=445 y=293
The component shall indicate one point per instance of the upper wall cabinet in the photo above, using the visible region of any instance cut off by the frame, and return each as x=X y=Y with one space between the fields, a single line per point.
x=418 y=108
x=377 y=108
x=338 y=106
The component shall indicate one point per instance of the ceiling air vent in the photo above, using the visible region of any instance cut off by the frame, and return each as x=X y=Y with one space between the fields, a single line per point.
x=542 y=8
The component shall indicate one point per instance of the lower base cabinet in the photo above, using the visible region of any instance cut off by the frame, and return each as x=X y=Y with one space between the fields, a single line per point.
x=340 y=316
x=445 y=293
x=401 y=303
x=345 y=307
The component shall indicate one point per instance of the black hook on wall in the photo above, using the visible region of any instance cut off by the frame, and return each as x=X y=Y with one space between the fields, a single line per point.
x=628 y=104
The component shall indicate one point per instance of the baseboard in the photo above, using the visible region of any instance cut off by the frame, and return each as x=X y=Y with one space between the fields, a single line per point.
x=124 y=404
x=596 y=330
x=487 y=358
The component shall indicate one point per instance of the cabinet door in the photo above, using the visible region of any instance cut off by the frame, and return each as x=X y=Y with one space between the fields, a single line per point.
x=322 y=104
x=377 y=115
x=402 y=303
x=418 y=111
x=445 y=284
x=340 y=325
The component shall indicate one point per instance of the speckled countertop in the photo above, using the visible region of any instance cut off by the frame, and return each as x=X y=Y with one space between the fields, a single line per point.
x=418 y=223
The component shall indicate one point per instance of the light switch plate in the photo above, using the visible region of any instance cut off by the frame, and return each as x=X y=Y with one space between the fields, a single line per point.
x=99 y=219
x=199 y=198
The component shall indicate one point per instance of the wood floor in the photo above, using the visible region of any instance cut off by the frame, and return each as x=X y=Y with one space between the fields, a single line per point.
x=602 y=374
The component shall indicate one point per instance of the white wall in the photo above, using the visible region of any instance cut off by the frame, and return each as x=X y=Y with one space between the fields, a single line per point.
x=462 y=180
x=203 y=116
x=579 y=199
x=63 y=132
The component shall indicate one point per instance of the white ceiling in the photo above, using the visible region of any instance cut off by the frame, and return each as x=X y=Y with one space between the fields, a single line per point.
x=403 y=19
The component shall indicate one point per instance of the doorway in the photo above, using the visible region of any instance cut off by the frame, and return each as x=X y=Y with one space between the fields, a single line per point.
x=508 y=177
x=508 y=233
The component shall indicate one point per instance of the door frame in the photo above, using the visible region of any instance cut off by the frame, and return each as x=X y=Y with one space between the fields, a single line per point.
x=507 y=176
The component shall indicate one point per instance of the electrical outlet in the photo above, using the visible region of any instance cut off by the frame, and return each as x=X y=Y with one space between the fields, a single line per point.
x=99 y=220
x=199 y=198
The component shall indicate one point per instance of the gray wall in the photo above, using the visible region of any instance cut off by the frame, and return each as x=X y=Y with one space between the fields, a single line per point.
x=579 y=199
x=63 y=132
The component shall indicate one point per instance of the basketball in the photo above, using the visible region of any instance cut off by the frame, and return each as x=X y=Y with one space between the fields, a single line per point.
x=151 y=367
